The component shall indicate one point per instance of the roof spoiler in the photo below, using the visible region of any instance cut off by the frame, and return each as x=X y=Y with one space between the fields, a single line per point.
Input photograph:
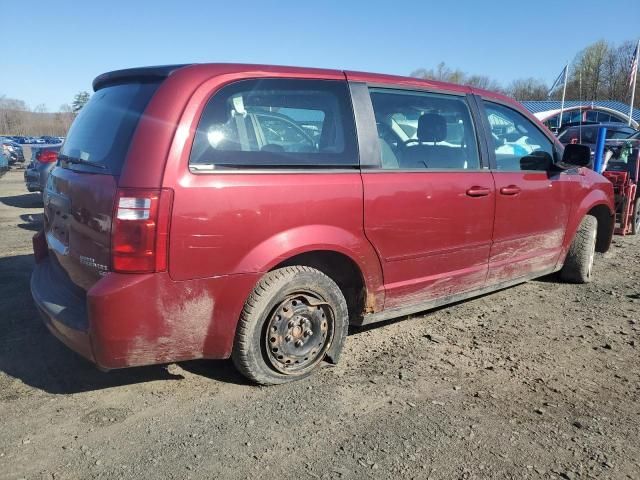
x=135 y=74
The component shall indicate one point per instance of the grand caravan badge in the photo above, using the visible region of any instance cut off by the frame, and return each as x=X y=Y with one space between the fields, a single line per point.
x=91 y=262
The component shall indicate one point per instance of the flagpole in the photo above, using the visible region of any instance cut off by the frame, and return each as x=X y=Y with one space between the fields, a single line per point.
x=635 y=77
x=580 y=107
x=564 y=92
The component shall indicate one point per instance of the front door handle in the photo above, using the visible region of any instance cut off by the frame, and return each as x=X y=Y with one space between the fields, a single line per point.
x=510 y=190
x=478 y=192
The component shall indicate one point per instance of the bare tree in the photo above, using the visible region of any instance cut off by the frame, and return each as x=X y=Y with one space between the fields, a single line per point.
x=528 y=89
x=599 y=71
x=589 y=69
x=13 y=115
x=65 y=117
x=443 y=73
x=17 y=119
x=622 y=90
x=484 y=82
x=616 y=70
x=603 y=69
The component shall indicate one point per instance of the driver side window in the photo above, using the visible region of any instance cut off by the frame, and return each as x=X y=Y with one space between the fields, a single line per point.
x=519 y=144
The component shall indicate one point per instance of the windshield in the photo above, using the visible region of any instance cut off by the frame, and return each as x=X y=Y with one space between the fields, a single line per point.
x=102 y=131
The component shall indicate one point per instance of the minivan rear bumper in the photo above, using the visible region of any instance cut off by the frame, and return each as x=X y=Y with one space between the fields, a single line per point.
x=62 y=308
x=128 y=320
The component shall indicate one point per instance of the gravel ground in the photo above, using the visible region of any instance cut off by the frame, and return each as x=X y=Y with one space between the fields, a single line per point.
x=536 y=381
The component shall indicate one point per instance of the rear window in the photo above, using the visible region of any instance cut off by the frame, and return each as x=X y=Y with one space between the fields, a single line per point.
x=616 y=134
x=576 y=134
x=277 y=123
x=103 y=129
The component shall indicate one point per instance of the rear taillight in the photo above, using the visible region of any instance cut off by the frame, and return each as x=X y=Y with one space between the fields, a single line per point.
x=47 y=156
x=140 y=230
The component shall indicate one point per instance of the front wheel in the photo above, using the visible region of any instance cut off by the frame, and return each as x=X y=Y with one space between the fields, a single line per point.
x=578 y=266
x=289 y=322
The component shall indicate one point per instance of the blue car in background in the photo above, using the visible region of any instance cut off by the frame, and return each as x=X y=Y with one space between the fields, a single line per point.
x=4 y=161
x=12 y=150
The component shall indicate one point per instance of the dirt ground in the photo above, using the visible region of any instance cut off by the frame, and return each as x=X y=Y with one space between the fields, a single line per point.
x=537 y=381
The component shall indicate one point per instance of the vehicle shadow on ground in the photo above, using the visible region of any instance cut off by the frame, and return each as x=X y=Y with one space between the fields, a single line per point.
x=32 y=221
x=26 y=200
x=551 y=278
x=28 y=351
x=219 y=370
x=355 y=330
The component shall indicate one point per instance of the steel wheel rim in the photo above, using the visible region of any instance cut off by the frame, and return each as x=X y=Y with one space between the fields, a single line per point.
x=298 y=333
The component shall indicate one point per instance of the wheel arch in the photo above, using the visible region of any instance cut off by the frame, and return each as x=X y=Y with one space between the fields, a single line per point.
x=598 y=202
x=348 y=259
x=606 y=224
x=600 y=205
x=342 y=269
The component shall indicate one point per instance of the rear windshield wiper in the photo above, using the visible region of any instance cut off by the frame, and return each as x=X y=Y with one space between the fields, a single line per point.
x=80 y=161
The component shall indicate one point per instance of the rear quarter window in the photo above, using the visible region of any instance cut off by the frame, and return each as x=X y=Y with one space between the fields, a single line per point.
x=102 y=131
x=277 y=123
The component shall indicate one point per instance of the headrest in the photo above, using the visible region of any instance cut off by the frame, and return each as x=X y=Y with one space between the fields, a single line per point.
x=432 y=127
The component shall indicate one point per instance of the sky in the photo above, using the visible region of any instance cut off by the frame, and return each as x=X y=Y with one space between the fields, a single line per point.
x=52 y=50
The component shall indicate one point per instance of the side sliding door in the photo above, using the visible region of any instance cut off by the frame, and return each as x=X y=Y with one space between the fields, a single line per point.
x=428 y=198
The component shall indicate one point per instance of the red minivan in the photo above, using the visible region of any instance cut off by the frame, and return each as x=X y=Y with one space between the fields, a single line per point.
x=255 y=212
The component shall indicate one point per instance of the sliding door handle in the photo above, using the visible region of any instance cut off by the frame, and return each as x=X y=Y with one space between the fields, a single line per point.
x=510 y=190
x=478 y=192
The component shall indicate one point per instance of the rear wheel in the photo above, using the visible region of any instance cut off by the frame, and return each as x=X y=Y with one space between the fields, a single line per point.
x=635 y=226
x=290 y=320
x=578 y=266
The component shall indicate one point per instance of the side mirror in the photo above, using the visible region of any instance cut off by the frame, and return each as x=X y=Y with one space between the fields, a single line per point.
x=576 y=155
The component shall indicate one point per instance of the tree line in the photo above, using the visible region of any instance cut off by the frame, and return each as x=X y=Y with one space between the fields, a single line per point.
x=601 y=71
x=16 y=118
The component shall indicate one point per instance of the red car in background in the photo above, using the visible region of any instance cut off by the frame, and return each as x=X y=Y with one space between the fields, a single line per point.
x=254 y=212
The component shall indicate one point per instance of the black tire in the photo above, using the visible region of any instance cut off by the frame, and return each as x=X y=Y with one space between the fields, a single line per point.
x=578 y=265
x=288 y=323
x=635 y=221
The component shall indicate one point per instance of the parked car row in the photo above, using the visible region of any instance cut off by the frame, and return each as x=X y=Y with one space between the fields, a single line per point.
x=44 y=139
x=11 y=147
x=11 y=150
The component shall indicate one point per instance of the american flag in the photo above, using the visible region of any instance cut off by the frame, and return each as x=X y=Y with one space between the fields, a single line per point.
x=634 y=65
x=559 y=80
